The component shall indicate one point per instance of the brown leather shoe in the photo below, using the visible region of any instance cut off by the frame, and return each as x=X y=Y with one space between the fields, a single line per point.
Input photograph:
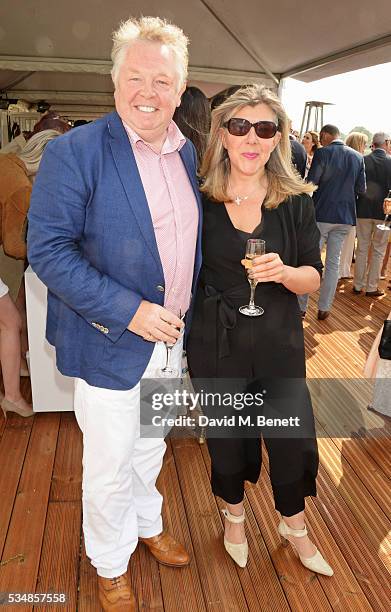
x=166 y=550
x=116 y=595
x=323 y=314
x=377 y=293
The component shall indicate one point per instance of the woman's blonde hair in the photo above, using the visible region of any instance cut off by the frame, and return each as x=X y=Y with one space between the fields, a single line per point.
x=32 y=152
x=357 y=141
x=153 y=29
x=283 y=179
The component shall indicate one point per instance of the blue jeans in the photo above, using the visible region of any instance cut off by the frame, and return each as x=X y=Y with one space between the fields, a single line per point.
x=334 y=234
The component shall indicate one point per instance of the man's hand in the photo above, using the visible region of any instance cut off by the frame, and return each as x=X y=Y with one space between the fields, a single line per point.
x=153 y=323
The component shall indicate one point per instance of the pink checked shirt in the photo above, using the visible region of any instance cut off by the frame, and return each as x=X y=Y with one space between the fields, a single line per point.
x=174 y=212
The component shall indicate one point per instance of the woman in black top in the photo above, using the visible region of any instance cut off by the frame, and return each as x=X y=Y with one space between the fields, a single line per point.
x=251 y=191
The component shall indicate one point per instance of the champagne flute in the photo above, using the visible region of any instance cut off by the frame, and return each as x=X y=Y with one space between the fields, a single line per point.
x=169 y=371
x=387 y=210
x=254 y=248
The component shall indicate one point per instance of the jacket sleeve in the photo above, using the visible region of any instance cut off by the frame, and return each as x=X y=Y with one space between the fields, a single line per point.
x=361 y=183
x=56 y=224
x=308 y=236
x=14 y=223
x=317 y=167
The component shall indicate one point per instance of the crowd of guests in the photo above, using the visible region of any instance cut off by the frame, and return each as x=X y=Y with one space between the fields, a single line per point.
x=349 y=203
x=136 y=220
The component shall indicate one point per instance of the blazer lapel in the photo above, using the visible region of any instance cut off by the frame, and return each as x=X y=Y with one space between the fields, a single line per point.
x=188 y=157
x=130 y=177
x=189 y=162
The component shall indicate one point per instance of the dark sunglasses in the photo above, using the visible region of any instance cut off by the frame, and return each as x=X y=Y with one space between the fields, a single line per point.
x=241 y=127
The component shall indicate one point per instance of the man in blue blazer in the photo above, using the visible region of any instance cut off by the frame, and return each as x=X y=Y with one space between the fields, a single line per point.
x=114 y=233
x=338 y=171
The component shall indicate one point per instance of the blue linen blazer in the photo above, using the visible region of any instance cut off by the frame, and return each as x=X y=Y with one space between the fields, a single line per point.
x=92 y=243
x=339 y=173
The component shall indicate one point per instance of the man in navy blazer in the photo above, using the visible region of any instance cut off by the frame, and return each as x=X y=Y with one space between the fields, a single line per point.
x=114 y=233
x=338 y=171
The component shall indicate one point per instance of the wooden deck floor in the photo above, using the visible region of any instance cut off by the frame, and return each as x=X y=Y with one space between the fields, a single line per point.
x=41 y=548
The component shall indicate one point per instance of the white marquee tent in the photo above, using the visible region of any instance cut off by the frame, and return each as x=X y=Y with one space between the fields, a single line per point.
x=60 y=50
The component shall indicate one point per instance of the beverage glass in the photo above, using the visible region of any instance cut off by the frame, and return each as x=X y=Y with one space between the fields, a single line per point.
x=254 y=248
x=387 y=210
x=168 y=371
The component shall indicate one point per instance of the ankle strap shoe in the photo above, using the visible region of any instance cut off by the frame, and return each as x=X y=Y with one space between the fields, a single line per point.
x=238 y=552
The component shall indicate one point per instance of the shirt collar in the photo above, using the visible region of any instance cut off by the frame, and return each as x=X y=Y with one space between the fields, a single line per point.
x=174 y=140
x=380 y=152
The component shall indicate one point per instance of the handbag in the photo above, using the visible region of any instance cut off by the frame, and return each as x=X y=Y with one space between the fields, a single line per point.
x=385 y=341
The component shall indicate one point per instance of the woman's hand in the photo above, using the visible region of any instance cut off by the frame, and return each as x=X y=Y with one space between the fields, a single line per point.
x=268 y=268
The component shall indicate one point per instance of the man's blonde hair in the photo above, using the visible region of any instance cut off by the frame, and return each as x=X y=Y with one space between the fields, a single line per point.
x=153 y=29
x=283 y=180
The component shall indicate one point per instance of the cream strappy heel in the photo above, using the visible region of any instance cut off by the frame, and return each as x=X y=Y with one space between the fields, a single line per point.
x=238 y=552
x=20 y=407
x=316 y=563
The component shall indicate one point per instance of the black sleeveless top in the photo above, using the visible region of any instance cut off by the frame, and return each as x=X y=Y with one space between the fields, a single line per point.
x=221 y=339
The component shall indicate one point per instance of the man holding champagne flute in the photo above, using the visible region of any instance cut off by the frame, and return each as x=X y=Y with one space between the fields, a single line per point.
x=114 y=230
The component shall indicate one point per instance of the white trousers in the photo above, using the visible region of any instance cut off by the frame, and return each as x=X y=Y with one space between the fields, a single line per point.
x=345 y=262
x=120 y=500
x=368 y=235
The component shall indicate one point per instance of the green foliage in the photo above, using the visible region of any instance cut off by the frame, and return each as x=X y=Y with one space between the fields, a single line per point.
x=363 y=130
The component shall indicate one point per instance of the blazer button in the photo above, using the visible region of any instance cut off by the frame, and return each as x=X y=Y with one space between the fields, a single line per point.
x=160 y=287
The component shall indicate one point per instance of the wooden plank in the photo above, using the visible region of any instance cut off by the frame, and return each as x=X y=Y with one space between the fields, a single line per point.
x=260 y=582
x=342 y=590
x=359 y=551
x=340 y=413
x=300 y=587
x=88 y=585
x=338 y=346
x=2 y=421
x=226 y=587
x=181 y=588
x=367 y=471
x=26 y=528
x=373 y=469
x=59 y=564
x=368 y=513
x=144 y=575
x=67 y=472
x=219 y=578
x=13 y=445
x=146 y=582
x=261 y=577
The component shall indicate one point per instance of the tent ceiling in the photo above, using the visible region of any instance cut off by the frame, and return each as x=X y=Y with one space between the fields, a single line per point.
x=63 y=48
